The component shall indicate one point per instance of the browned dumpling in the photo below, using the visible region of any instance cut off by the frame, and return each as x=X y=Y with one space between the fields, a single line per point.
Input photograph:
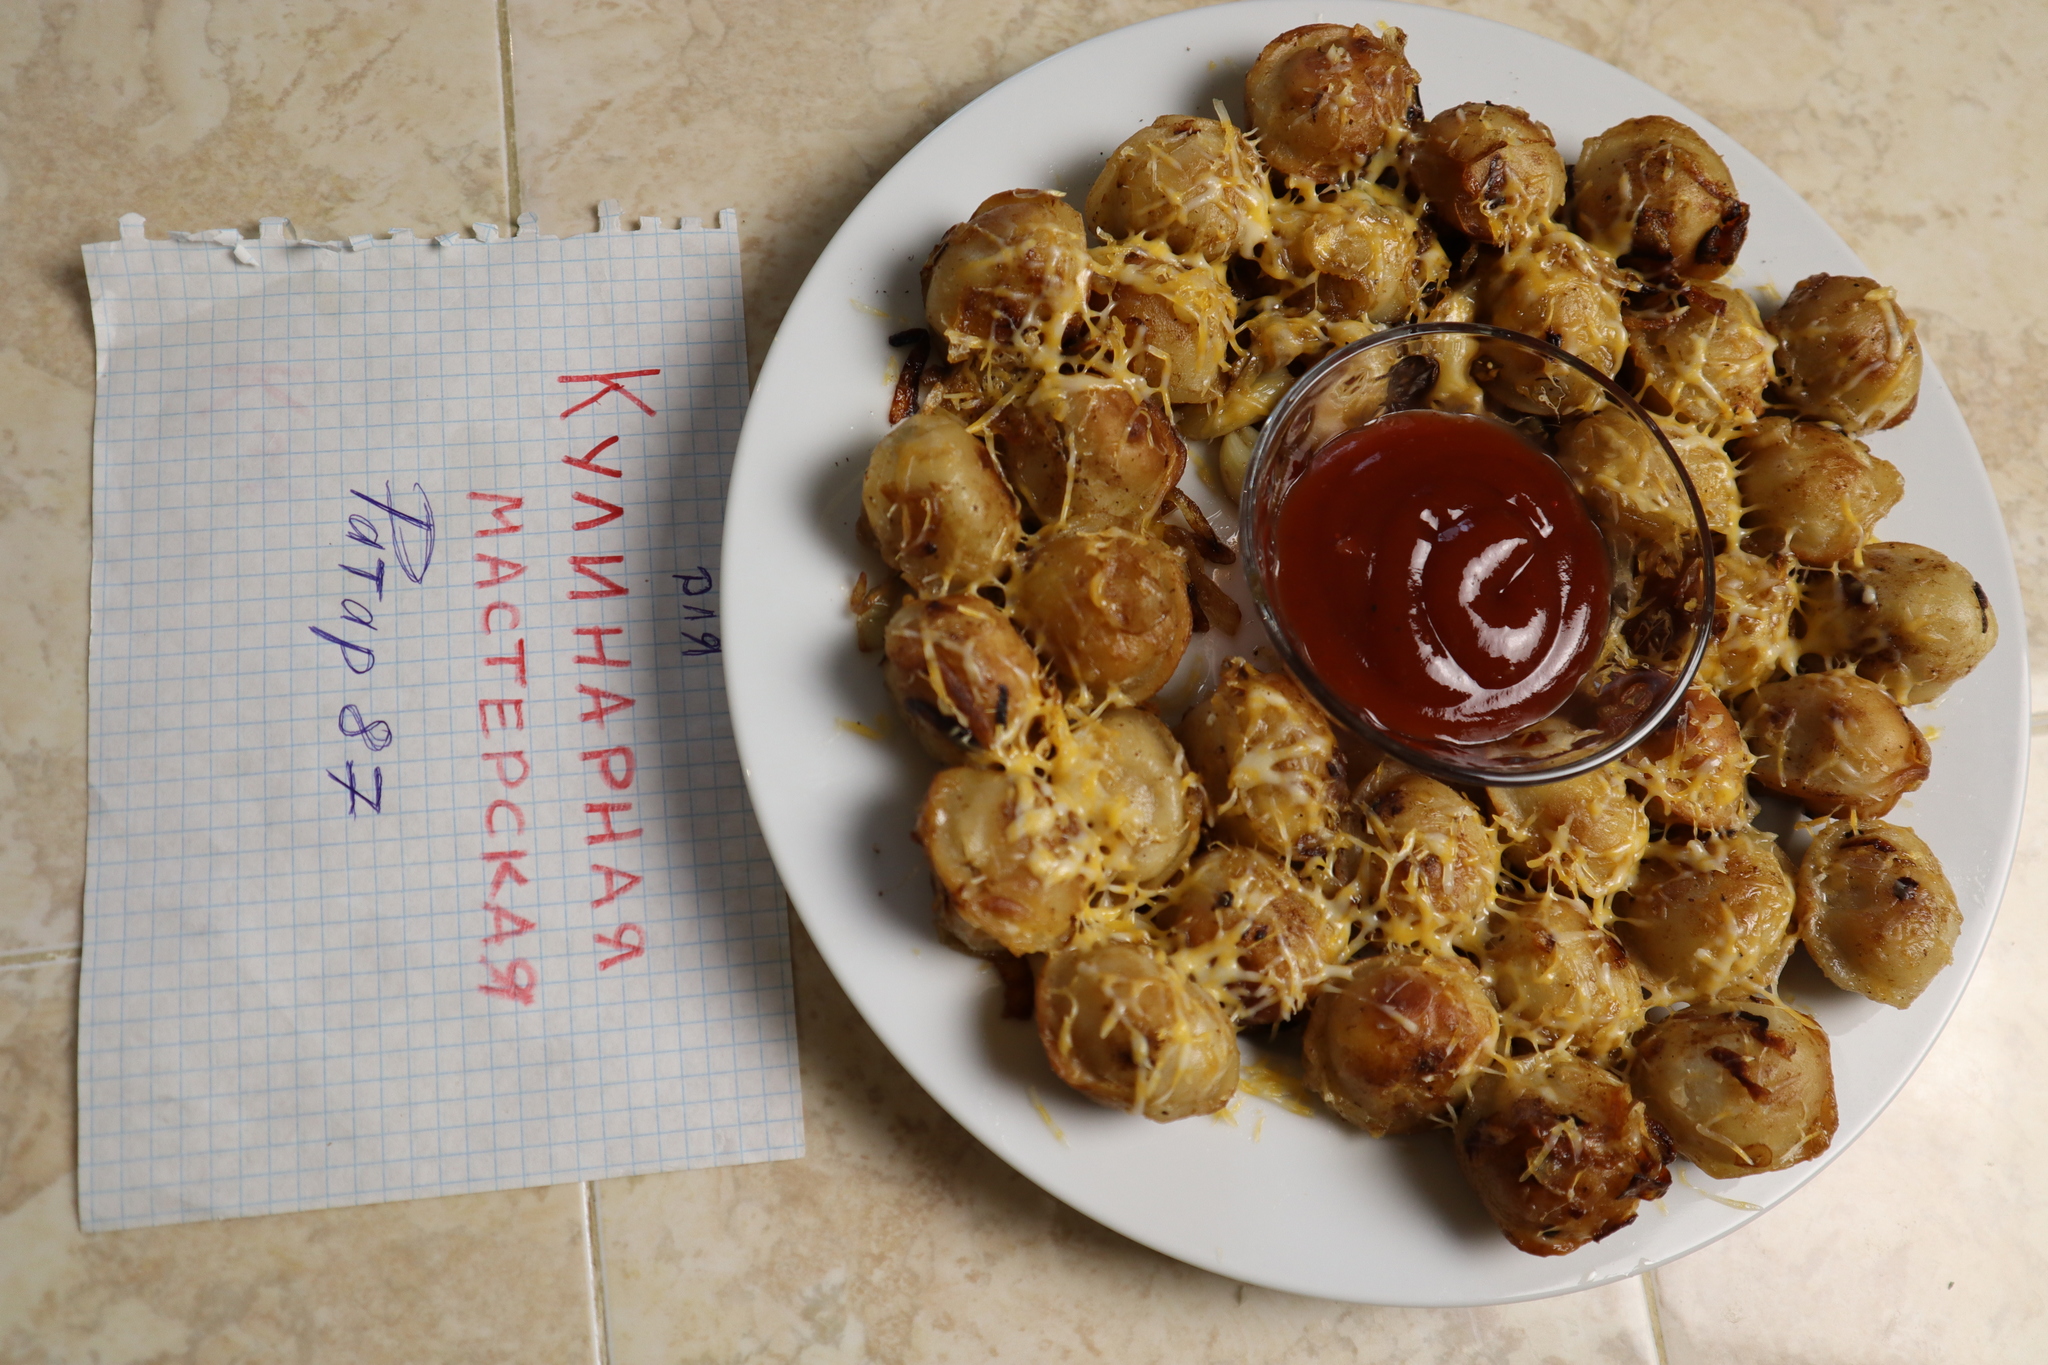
x=1651 y=192
x=1109 y=607
x=1326 y=99
x=1847 y=353
x=1628 y=483
x=1559 y=1152
x=1195 y=184
x=1693 y=770
x=1488 y=171
x=1124 y=772
x=1911 y=619
x=1585 y=834
x=1121 y=1026
x=1085 y=449
x=1013 y=866
x=1167 y=321
x=1709 y=913
x=1431 y=860
x=1243 y=926
x=1700 y=354
x=1876 y=910
x=1557 y=288
x=937 y=504
x=1811 y=490
x=1754 y=598
x=1363 y=255
x=1835 y=743
x=1267 y=756
x=1740 y=1085
x=1561 y=980
x=967 y=683
x=1392 y=1048
x=1009 y=279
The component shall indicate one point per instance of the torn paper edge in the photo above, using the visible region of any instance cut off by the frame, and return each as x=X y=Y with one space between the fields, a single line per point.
x=278 y=232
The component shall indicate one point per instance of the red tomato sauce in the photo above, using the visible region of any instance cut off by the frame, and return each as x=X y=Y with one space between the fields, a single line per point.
x=1441 y=574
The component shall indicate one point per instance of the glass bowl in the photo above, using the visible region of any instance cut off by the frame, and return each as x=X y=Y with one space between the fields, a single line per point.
x=1659 y=545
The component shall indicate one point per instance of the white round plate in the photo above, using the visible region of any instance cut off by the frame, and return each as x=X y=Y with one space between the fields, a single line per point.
x=1265 y=1195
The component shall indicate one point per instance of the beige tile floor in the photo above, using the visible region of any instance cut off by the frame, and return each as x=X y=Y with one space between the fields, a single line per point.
x=899 y=1238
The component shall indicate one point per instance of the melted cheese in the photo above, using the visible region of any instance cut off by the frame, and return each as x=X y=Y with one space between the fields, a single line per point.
x=1267 y=1082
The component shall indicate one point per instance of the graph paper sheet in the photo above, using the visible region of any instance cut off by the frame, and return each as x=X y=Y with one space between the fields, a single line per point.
x=419 y=860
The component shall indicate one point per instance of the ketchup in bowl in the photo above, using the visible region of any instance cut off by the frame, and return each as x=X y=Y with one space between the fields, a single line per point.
x=1440 y=573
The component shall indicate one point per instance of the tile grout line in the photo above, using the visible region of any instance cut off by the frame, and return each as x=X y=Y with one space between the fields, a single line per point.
x=35 y=957
x=1648 y=1277
x=515 y=194
x=601 y=1317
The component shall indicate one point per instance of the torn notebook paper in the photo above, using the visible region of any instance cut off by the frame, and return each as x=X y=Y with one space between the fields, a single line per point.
x=419 y=860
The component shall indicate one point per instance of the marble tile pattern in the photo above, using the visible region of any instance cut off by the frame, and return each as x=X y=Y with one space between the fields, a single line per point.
x=347 y=118
x=900 y=1239
x=474 y=1278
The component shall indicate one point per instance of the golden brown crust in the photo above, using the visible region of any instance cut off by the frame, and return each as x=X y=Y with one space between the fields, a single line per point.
x=1700 y=354
x=1431 y=862
x=1268 y=757
x=1707 y=914
x=1812 y=490
x=1742 y=1085
x=1847 y=353
x=1392 y=1048
x=1085 y=449
x=1243 y=909
x=1168 y=321
x=1488 y=171
x=1876 y=910
x=1108 y=607
x=1693 y=769
x=1910 y=619
x=1326 y=99
x=938 y=507
x=1652 y=193
x=1560 y=979
x=1559 y=1152
x=1008 y=280
x=1194 y=184
x=1755 y=596
x=1553 y=286
x=1585 y=834
x=1124 y=774
x=1122 y=1027
x=1835 y=743
x=965 y=681
x=1008 y=860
